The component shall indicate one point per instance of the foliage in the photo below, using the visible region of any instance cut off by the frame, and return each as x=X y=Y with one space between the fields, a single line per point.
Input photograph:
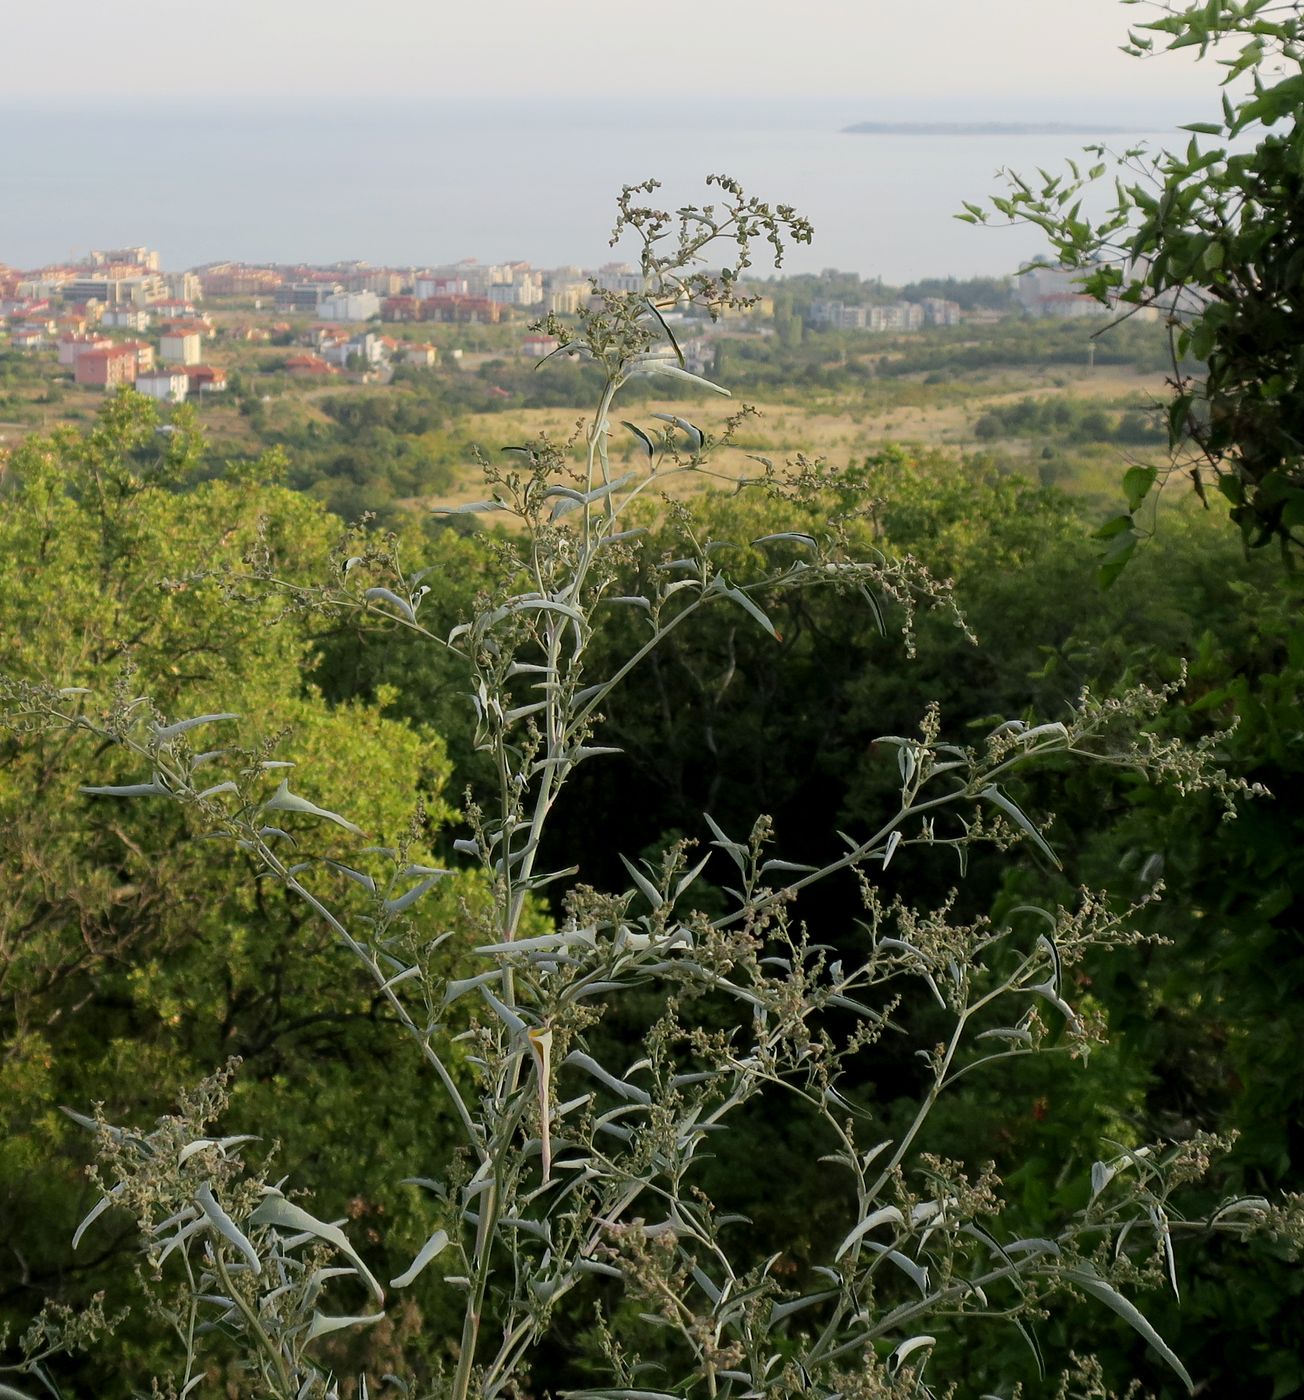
x=130 y=964
x=577 y=1178
x=1212 y=236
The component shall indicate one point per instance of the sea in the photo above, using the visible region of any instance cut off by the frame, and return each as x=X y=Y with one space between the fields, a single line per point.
x=421 y=183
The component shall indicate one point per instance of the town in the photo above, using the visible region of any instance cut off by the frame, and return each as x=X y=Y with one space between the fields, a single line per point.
x=114 y=318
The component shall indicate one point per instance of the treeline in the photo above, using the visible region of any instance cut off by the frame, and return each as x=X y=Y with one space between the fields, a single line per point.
x=1071 y=420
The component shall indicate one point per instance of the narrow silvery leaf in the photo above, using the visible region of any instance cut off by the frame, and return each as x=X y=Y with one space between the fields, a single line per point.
x=1160 y=1221
x=907 y=1348
x=793 y=536
x=471 y=508
x=1031 y=1248
x=94 y=1214
x=648 y=890
x=385 y=595
x=880 y=622
x=213 y=791
x=690 y=430
x=151 y=789
x=1011 y=809
x=686 y=880
x=885 y=1215
x=167 y=733
x=620 y=535
x=1114 y=1300
x=432 y=1247
x=543 y=942
x=915 y=1272
x=508 y=1017
x=1052 y=953
x=1007 y=1033
x=609 y=1394
x=191 y=1149
x=738 y=596
x=283 y=800
x=638 y=432
x=781 y=1310
x=583 y=498
x=539 y=1039
x=462 y=985
x=407 y=900
x=893 y=841
x=674 y=372
x=274 y=1209
x=322 y=1324
x=619 y=1086
x=225 y=1226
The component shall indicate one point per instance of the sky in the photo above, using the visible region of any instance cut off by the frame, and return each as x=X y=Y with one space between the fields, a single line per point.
x=642 y=52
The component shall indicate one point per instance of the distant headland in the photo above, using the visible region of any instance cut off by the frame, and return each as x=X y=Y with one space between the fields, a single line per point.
x=988 y=129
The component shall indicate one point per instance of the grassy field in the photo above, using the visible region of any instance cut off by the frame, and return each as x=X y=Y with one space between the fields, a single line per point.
x=842 y=433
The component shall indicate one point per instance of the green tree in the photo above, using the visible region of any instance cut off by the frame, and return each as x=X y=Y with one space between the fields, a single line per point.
x=131 y=963
x=1213 y=236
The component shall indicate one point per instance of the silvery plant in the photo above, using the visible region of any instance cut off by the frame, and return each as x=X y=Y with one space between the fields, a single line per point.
x=575 y=1189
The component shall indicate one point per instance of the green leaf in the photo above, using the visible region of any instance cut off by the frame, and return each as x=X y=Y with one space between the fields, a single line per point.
x=1137 y=482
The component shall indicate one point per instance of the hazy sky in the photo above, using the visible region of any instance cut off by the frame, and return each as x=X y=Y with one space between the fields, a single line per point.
x=645 y=49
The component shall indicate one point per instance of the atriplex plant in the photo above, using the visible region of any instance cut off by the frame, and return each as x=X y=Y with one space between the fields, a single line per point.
x=576 y=1182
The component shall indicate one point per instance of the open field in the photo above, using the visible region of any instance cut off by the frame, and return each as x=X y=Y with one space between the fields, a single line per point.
x=842 y=434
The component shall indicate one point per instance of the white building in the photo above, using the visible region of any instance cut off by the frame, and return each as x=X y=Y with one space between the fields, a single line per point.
x=125 y=318
x=167 y=385
x=180 y=347
x=349 y=306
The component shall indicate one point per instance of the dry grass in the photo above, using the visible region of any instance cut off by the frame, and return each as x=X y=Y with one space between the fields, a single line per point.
x=781 y=430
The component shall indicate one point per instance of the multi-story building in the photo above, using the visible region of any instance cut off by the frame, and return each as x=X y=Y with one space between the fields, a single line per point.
x=106 y=369
x=138 y=256
x=305 y=296
x=144 y=354
x=940 y=312
x=619 y=277
x=462 y=309
x=1043 y=290
x=74 y=344
x=134 y=289
x=180 y=347
x=236 y=280
x=125 y=318
x=349 y=306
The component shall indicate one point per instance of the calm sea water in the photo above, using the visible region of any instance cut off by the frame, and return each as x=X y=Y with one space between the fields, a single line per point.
x=427 y=183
